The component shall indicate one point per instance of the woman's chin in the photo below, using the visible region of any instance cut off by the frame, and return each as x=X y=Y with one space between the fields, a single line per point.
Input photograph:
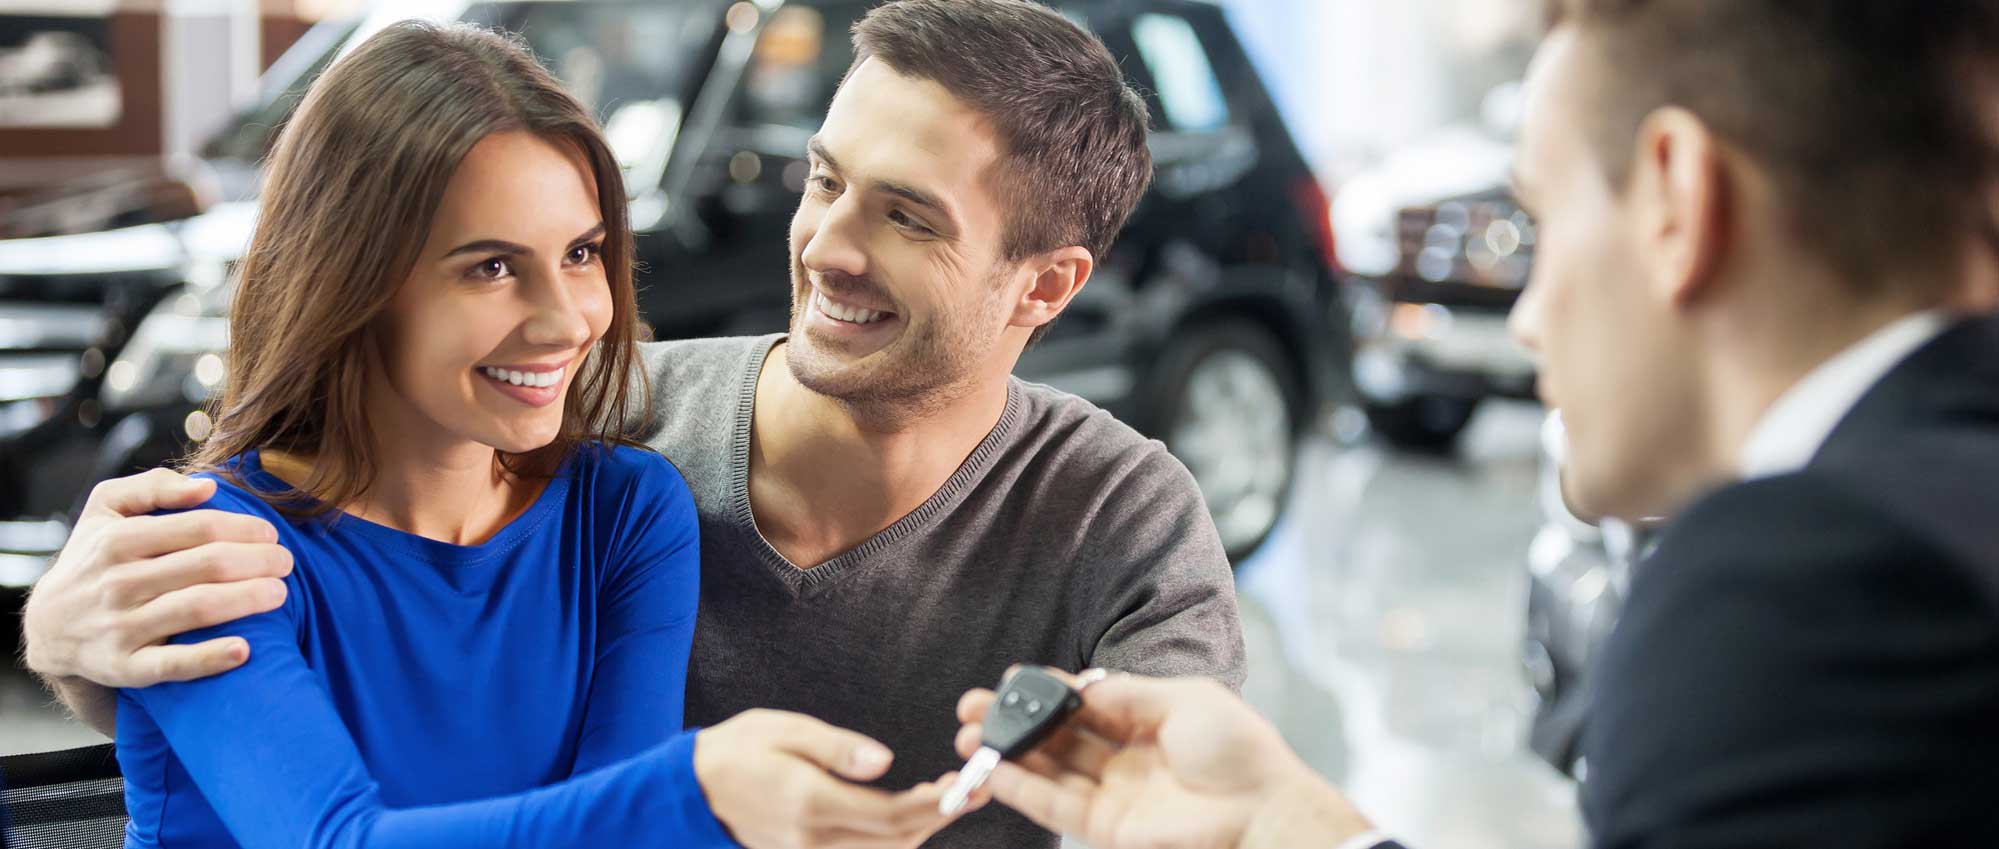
x=524 y=443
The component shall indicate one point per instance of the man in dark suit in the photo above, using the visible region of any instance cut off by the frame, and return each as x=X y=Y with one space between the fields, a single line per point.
x=1766 y=228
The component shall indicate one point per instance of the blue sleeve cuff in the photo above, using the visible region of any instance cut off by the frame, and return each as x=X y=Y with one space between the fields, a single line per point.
x=701 y=828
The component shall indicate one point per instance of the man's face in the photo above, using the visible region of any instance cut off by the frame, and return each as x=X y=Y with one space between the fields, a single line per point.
x=1613 y=356
x=899 y=291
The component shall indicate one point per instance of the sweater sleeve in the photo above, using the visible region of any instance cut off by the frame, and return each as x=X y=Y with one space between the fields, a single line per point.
x=270 y=753
x=645 y=617
x=1160 y=599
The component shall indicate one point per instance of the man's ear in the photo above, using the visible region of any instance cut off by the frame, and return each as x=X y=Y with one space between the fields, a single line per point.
x=1056 y=277
x=1682 y=197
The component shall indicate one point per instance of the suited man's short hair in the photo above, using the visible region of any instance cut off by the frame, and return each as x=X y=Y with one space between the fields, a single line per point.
x=1874 y=118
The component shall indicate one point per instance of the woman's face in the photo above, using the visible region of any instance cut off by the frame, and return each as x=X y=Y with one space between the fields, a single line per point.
x=507 y=298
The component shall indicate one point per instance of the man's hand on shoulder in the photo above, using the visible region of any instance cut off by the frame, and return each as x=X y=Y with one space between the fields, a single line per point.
x=128 y=581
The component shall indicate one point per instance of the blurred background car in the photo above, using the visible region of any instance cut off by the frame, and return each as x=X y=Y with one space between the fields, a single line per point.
x=1439 y=251
x=1579 y=573
x=1216 y=324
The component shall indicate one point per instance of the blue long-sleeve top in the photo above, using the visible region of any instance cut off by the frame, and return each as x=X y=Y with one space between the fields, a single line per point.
x=525 y=691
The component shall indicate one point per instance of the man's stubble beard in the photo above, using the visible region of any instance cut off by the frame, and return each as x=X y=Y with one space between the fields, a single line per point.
x=920 y=373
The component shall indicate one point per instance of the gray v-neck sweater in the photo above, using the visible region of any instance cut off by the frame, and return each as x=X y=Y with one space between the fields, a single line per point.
x=1066 y=538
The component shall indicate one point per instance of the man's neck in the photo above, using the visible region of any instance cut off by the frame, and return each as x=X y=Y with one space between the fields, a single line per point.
x=825 y=477
x=1765 y=366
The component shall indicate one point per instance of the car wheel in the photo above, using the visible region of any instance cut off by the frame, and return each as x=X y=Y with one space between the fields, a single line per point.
x=1227 y=404
x=1425 y=422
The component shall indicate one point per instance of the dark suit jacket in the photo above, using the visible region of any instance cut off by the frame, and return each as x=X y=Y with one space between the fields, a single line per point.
x=1812 y=660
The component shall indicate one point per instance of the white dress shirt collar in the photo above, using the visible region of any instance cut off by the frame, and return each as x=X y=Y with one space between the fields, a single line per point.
x=1797 y=425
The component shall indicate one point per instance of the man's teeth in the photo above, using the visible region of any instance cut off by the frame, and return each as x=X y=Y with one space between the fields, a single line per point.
x=851 y=315
x=533 y=379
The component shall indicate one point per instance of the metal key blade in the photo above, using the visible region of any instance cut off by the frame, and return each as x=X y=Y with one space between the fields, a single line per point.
x=971 y=778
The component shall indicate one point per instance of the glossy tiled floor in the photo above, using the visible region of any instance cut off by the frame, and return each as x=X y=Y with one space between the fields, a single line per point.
x=1382 y=621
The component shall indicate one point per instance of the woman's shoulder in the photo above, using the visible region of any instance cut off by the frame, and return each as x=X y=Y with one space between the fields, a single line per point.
x=640 y=472
x=238 y=491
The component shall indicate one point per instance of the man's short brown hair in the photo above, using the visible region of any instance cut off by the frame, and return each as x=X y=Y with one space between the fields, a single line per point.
x=1073 y=160
x=1866 y=113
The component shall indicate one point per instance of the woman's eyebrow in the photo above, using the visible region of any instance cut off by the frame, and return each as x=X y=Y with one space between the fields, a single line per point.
x=506 y=248
x=493 y=246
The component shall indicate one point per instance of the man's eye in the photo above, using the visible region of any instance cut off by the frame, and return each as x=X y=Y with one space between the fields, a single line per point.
x=902 y=219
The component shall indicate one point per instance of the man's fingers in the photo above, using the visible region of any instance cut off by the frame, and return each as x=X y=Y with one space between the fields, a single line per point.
x=967 y=741
x=848 y=754
x=1072 y=750
x=213 y=563
x=155 y=664
x=1060 y=808
x=204 y=606
x=973 y=704
x=1067 y=755
x=140 y=537
x=1123 y=707
x=137 y=495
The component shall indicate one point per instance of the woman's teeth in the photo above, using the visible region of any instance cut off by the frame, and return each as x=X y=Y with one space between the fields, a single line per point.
x=524 y=378
x=851 y=315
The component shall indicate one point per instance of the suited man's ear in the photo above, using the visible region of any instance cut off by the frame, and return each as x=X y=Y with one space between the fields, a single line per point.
x=1682 y=196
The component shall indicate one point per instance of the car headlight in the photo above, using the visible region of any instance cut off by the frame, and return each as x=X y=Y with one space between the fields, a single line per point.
x=176 y=353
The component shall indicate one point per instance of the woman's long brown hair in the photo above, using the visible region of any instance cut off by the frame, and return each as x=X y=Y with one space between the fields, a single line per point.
x=351 y=187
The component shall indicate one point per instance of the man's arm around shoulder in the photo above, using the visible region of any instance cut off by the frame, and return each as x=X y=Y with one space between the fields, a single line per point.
x=127 y=581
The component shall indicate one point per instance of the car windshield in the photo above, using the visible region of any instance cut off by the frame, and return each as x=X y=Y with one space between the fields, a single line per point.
x=609 y=54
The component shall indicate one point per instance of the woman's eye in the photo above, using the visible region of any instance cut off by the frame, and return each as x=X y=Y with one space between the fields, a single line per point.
x=492 y=269
x=582 y=254
x=825 y=184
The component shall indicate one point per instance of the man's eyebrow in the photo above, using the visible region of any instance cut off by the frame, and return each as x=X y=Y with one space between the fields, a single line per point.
x=916 y=196
x=905 y=191
x=818 y=149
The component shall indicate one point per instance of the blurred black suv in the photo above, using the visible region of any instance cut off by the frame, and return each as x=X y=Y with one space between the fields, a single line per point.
x=1215 y=324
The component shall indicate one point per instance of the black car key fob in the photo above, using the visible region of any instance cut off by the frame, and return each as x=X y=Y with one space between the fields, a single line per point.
x=1030 y=705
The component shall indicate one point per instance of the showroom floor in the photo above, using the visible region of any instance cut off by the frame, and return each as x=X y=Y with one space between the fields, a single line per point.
x=1382 y=621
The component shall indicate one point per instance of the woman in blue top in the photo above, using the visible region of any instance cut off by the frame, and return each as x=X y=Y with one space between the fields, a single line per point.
x=486 y=634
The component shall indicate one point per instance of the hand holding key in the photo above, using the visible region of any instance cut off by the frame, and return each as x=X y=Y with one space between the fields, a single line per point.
x=1031 y=704
x=1153 y=762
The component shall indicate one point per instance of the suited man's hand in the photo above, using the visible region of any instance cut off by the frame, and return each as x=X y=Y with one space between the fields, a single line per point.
x=1166 y=763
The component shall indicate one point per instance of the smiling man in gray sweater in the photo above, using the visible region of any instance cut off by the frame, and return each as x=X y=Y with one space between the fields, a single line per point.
x=888 y=517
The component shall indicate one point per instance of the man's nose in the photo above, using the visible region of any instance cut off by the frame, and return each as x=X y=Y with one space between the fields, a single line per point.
x=836 y=245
